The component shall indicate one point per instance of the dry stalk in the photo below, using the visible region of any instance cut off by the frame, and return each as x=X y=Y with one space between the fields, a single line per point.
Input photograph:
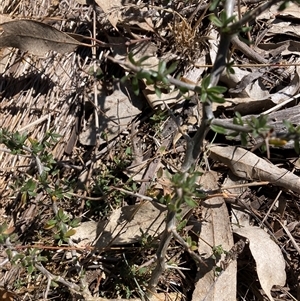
x=194 y=148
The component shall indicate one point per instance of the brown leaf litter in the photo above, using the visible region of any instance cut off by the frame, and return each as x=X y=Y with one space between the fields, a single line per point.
x=72 y=93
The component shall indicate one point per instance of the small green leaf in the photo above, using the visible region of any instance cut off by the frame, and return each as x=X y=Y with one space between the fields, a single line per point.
x=184 y=90
x=283 y=5
x=244 y=139
x=69 y=233
x=42 y=258
x=246 y=29
x=142 y=59
x=217 y=90
x=172 y=207
x=190 y=202
x=205 y=82
x=131 y=59
x=203 y=97
x=231 y=135
x=214 y=5
x=30 y=269
x=157 y=91
x=162 y=67
x=54 y=284
x=218 y=129
x=215 y=98
x=60 y=214
x=181 y=225
x=238 y=119
x=3 y=228
x=215 y=21
x=165 y=80
x=135 y=86
x=172 y=68
x=74 y=223
x=50 y=224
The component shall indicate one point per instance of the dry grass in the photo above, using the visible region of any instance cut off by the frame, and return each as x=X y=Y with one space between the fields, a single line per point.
x=42 y=94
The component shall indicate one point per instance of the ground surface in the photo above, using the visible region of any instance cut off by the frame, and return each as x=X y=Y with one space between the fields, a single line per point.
x=78 y=145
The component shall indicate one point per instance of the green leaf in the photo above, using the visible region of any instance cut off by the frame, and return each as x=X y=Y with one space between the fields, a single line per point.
x=54 y=284
x=162 y=67
x=172 y=207
x=184 y=90
x=217 y=90
x=3 y=228
x=157 y=91
x=125 y=78
x=69 y=233
x=30 y=269
x=246 y=29
x=131 y=59
x=218 y=250
x=135 y=86
x=165 y=80
x=215 y=21
x=181 y=225
x=218 y=129
x=142 y=59
x=42 y=258
x=289 y=126
x=231 y=135
x=50 y=224
x=190 y=202
x=214 y=4
x=74 y=223
x=172 y=68
x=205 y=82
x=60 y=214
x=215 y=98
x=283 y=5
x=244 y=139
x=203 y=97
x=238 y=119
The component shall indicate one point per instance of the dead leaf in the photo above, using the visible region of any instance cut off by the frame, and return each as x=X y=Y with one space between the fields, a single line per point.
x=172 y=97
x=127 y=224
x=239 y=216
x=246 y=105
x=215 y=231
x=116 y=112
x=291 y=226
x=6 y=295
x=270 y=264
x=139 y=50
x=247 y=165
x=5 y=18
x=85 y=233
x=283 y=27
x=290 y=90
x=112 y=9
x=35 y=37
x=292 y=11
x=194 y=73
x=291 y=47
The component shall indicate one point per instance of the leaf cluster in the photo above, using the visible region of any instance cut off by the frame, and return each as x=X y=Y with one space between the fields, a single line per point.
x=211 y=94
x=63 y=226
x=186 y=190
x=27 y=260
x=159 y=78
